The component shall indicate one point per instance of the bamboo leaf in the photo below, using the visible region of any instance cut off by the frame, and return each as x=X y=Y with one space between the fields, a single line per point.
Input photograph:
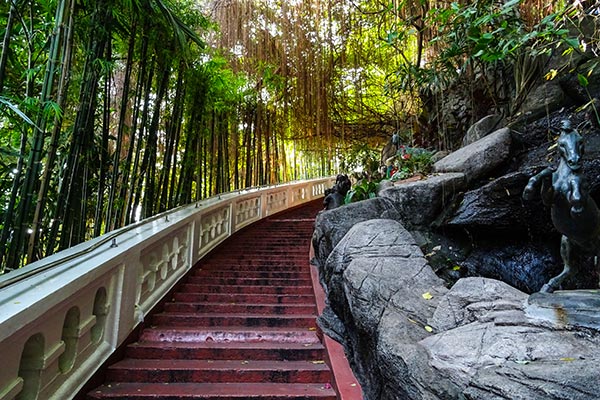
x=14 y=108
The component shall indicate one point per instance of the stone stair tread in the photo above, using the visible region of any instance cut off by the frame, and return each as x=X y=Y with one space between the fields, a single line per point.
x=238 y=391
x=175 y=319
x=251 y=274
x=235 y=315
x=241 y=297
x=281 y=289
x=227 y=350
x=232 y=308
x=206 y=371
x=230 y=334
x=263 y=365
x=249 y=281
x=265 y=345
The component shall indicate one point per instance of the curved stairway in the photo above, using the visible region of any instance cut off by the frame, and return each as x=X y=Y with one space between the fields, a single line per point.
x=240 y=326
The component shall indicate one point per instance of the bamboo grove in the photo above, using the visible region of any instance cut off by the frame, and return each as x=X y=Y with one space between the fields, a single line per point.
x=112 y=111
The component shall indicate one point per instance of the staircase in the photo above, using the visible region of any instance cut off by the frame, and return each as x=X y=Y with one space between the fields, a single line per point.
x=241 y=325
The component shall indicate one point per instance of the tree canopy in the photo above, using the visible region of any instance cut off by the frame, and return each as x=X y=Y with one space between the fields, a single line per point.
x=113 y=111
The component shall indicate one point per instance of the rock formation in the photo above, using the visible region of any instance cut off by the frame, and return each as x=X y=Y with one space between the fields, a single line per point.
x=409 y=332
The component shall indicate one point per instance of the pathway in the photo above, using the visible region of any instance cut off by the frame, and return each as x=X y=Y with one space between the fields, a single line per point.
x=240 y=326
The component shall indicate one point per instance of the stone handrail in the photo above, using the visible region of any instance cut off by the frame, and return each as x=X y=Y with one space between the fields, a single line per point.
x=61 y=323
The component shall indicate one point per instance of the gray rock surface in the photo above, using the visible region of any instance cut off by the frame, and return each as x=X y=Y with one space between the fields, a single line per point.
x=482 y=128
x=542 y=99
x=517 y=261
x=565 y=308
x=479 y=158
x=377 y=267
x=408 y=337
x=420 y=202
x=332 y=225
x=498 y=205
x=472 y=298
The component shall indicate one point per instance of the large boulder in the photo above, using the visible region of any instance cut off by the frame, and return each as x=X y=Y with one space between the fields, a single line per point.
x=408 y=337
x=542 y=99
x=479 y=158
x=377 y=265
x=332 y=225
x=498 y=205
x=482 y=128
x=419 y=203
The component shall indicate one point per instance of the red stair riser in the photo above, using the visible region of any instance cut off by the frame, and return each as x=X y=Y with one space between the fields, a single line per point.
x=246 y=289
x=249 y=281
x=242 y=298
x=301 y=336
x=174 y=320
x=216 y=391
x=270 y=309
x=226 y=351
x=206 y=371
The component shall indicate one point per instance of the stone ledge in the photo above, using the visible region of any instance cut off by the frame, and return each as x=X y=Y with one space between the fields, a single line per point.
x=566 y=308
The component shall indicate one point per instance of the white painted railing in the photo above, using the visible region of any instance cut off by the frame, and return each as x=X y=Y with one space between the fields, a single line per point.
x=60 y=324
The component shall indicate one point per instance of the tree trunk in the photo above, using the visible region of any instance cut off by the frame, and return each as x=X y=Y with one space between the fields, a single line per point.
x=6 y=43
x=31 y=181
x=138 y=175
x=112 y=222
x=34 y=249
x=104 y=156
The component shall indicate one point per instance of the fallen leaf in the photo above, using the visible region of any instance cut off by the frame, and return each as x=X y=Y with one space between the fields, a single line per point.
x=427 y=296
x=437 y=248
x=318 y=362
x=353 y=385
x=456 y=268
x=428 y=328
x=567 y=359
x=312 y=329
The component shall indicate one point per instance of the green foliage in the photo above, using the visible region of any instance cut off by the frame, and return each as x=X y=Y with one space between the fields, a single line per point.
x=362 y=190
x=411 y=161
x=5 y=102
x=479 y=33
x=360 y=157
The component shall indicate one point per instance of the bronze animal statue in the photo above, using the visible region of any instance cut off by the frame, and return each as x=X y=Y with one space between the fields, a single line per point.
x=574 y=212
x=335 y=196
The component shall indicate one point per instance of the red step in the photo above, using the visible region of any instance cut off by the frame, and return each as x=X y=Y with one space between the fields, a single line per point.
x=255 y=320
x=251 y=273
x=214 y=391
x=245 y=289
x=241 y=325
x=238 y=298
x=227 y=350
x=221 y=308
x=248 y=281
x=230 y=334
x=207 y=371
x=255 y=265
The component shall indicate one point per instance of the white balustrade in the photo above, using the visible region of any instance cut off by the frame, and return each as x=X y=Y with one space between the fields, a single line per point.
x=60 y=324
